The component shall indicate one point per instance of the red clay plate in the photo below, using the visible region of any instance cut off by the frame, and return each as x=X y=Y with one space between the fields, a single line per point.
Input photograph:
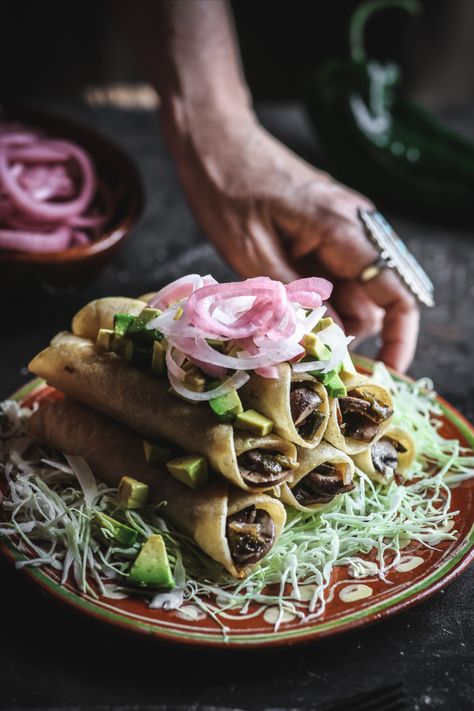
x=423 y=572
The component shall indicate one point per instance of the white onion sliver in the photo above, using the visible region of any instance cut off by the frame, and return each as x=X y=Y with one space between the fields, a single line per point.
x=234 y=382
x=333 y=336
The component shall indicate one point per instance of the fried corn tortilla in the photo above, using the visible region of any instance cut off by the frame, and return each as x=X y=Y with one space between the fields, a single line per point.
x=142 y=401
x=356 y=429
x=208 y=515
x=323 y=474
x=392 y=453
x=297 y=403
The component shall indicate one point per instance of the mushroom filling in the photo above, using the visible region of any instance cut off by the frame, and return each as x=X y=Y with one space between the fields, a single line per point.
x=385 y=456
x=264 y=467
x=250 y=534
x=304 y=403
x=322 y=484
x=360 y=415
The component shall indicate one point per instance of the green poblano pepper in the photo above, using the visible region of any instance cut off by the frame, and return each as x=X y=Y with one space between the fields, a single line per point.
x=382 y=144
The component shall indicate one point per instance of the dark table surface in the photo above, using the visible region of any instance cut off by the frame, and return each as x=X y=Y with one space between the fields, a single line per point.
x=49 y=657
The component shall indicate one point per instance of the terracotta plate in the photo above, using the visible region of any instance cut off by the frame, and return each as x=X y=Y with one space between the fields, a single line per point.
x=421 y=573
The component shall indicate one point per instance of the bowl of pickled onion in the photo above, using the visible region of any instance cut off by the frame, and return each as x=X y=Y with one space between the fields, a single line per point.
x=68 y=197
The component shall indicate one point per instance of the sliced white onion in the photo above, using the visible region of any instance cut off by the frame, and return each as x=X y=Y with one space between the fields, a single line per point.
x=233 y=383
x=333 y=336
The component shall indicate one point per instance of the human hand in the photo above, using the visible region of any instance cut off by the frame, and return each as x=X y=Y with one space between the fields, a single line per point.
x=269 y=212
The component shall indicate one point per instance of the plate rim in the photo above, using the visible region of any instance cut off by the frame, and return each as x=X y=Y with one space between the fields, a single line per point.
x=419 y=591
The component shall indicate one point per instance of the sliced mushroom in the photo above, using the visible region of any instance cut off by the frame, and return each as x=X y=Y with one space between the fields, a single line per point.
x=322 y=484
x=360 y=428
x=304 y=403
x=250 y=534
x=263 y=467
x=361 y=415
x=385 y=456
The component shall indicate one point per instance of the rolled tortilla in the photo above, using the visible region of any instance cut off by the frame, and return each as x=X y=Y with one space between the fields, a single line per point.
x=309 y=460
x=333 y=433
x=100 y=314
x=397 y=436
x=112 y=451
x=148 y=296
x=143 y=402
x=271 y=397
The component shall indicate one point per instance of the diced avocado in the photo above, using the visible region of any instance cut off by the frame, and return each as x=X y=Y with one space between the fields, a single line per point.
x=335 y=386
x=138 y=329
x=104 y=338
x=324 y=377
x=347 y=367
x=122 y=322
x=216 y=343
x=118 y=531
x=132 y=494
x=194 y=379
x=254 y=422
x=227 y=406
x=154 y=454
x=315 y=347
x=122 y=346
x=152 y=567
x=158 y=358
x=323 y=323
x=190 y=470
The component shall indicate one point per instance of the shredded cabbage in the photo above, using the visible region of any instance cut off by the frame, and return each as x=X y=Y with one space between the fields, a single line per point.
x=49 y=508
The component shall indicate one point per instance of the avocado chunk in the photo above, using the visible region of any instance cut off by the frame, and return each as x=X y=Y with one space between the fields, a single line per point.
x=227 y=406
x=158 y=358
x=216 y=343
x=324 y=377
x=323 y=323
x=122 y=346
x=104 y=338
x=138 y=329
x=334 y=385
x=132 y=494
x=151 y=568
x=111 y=528
x=347 y=367
x=190 y=470
x=254 y=422
x=315 y=347
x=194 y=379
x=122 y=323
x=154 y=454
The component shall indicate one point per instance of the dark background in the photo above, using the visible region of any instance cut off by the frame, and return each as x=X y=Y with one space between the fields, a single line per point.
x=53 y=47
x=50 y=52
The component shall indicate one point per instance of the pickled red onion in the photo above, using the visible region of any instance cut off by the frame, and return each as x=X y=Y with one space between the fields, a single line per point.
x=179 y=289
x=34 y=242
x=263 y=320
x=47 y=188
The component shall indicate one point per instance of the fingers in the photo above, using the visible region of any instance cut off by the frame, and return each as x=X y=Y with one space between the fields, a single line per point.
x=401 y=320
x=361 y=317
x=258 y=251
x=323 y=216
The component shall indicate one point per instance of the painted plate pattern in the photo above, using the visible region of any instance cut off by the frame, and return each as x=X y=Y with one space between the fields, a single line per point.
x=420 y=573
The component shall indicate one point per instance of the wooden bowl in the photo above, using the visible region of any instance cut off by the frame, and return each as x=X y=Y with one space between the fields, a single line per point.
x=116 y=169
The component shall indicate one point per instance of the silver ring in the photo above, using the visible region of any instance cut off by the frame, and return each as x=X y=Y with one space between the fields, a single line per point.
x=394 y=254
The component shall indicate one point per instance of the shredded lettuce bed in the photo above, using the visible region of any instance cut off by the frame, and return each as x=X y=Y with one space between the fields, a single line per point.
x=51 y=502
